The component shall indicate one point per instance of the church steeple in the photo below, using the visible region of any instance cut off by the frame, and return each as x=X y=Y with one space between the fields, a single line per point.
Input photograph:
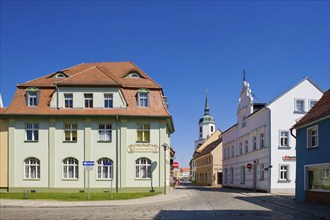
x=207 y=108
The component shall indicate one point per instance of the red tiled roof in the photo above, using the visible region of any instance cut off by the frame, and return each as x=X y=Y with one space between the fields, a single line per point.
x=94 y=75
x=209 y=148
x=320 y=109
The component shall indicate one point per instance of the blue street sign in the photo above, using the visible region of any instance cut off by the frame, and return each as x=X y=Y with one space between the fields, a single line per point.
x=88 y=163
x=107 y=163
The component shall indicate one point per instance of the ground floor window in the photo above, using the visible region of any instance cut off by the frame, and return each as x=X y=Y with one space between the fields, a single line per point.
x=284 y=173
x=242 y=174
x=231 y=175
x=31 y=168
x=318 y=177
x=70 y=168
x=104 y=168
x=143 y=168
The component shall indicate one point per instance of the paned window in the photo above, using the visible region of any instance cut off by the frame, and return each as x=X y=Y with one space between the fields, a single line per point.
x=318 y=177
x=31 y=168
x=246 y=146
x=108 y=101
x=143 y=168
x=312 y=103
x=68 y=100
x=88 y=100
x=254 y=142
x=32 y=98
x=262 y=140
x=143 y=132
x=300 y=105
x=143 y=99
x=231 y=175
x=312 y=137
x=70 y=132
x=104 y=168
x=284 y=138
x=104 y=132
x=32 y=132
x=284 y=172
x=240 y=148
x=70 y=168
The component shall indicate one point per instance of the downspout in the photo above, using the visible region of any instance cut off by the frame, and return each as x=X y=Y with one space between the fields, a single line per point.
x=117 y=153
x=57 y=95
x=291 y=132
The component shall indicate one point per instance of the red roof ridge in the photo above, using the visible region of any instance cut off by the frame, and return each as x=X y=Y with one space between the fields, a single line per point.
x=108 y=75
x=146 y=74
x=76 y=74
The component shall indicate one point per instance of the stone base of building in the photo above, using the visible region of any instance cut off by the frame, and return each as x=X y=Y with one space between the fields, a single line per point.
x=318 y=197
x=283 y=190
x=83 y=190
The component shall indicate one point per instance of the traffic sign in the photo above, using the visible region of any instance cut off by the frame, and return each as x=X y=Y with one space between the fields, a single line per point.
x=88 y=163
x=107 y=163
x=249 y=165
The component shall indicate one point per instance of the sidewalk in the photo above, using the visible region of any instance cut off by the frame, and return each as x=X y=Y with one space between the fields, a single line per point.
x=174 y=195
x=287 y=200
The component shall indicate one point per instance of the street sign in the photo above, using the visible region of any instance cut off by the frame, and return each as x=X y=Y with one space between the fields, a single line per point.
x=107 y=163
x=88 y=163
x=249 y=165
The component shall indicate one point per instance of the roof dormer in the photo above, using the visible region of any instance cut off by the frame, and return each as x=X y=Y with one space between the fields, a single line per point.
x=59 y=74
x=134 y=75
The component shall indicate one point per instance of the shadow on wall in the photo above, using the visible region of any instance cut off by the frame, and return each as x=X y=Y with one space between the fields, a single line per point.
x=212 y=214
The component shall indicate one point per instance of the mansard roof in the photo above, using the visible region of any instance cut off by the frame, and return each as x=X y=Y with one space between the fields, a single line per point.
x=319 y=110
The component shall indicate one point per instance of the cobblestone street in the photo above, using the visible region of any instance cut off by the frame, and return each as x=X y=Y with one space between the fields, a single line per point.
x=198 y=203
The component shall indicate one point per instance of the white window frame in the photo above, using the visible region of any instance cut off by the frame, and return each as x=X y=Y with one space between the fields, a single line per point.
x=310 y=101
x=262 y=171
x=105 y=133
x=144 y=128
x=240 y=148
x=34 y=129
x=32 y=98
x=297 y=108
x=284 y=169
x=310 y=136
x=72 y=128
x=261 y=140
x=143 y=168
x=88 y=100
x=32 y=168
x=143 y=99
x=108 y=100
x=104 y=171
x=246 y=142
x=283 y=137
x=68 y=100
x=70 y=168
x=254 y=140
x=231 y=175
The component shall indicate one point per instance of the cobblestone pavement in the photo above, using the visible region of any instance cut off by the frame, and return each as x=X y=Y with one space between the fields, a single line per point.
x=200 y=203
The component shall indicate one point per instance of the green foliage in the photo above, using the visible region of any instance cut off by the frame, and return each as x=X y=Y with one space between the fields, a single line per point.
x=77 y=196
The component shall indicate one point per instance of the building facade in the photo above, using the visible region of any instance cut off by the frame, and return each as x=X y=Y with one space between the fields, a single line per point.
x=3 y=153
x=208 y=160
x=258 y=152
x=112 y=114
x=313 y=153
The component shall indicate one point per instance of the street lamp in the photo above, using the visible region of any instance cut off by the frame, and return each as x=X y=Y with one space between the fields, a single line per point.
x=165 y=148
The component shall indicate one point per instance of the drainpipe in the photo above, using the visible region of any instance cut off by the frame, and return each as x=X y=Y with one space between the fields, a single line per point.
x=117 y=153
x=57 y=96
x=291 y=132
x=270 y=149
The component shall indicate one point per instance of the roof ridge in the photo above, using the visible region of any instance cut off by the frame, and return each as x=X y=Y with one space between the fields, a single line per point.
x=76 y=74
x=146 y=74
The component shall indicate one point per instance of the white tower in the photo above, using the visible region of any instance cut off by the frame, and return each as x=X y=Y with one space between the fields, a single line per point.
x=245 y=102
x=206 y=125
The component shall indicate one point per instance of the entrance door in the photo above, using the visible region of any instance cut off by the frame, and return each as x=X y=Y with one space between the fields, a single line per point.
x=220 y=178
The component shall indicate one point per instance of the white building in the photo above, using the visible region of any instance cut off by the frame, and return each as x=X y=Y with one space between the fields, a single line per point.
x=258 y=152
x=111 y=113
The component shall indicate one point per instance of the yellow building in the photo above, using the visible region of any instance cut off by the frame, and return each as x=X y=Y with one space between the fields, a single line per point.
x=208 y=161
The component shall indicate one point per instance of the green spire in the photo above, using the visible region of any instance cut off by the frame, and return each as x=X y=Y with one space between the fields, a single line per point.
x=207 y=109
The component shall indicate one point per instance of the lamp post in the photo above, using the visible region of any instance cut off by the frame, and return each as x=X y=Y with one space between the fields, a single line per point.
x=165 y=148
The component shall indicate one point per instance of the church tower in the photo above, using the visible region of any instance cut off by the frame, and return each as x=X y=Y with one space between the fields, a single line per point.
x=206 y=125
x=245 y=103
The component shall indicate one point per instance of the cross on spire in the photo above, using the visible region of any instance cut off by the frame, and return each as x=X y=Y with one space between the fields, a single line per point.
x=206 y=109
x=244 y=73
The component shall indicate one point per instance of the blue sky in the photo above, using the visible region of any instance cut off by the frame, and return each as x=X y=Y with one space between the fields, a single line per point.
x=186 y=47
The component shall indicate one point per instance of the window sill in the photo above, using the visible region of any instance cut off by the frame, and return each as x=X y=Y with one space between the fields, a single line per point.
x=141 y=142
x=284 y=181
x=299 y=112
x=28 y=141
x=104 y=141
x=141 y=179
x=105 y=179
x=69 y=141
x=70 y=179
x=284 y=147
x=311 y=148
x=36 y=179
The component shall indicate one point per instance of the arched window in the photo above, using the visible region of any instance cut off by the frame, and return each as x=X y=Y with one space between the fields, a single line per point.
x=31 y=168
x=104 y=168
x=70 y=168
x=143 y=168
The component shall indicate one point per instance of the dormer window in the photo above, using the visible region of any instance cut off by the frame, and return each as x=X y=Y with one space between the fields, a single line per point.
x=143 y=98
x=134 y=74
x=59 y=75
x=32 y=95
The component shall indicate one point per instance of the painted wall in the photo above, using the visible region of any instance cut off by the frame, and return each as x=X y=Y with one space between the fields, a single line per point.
x=3 y=153
x=319 y=155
